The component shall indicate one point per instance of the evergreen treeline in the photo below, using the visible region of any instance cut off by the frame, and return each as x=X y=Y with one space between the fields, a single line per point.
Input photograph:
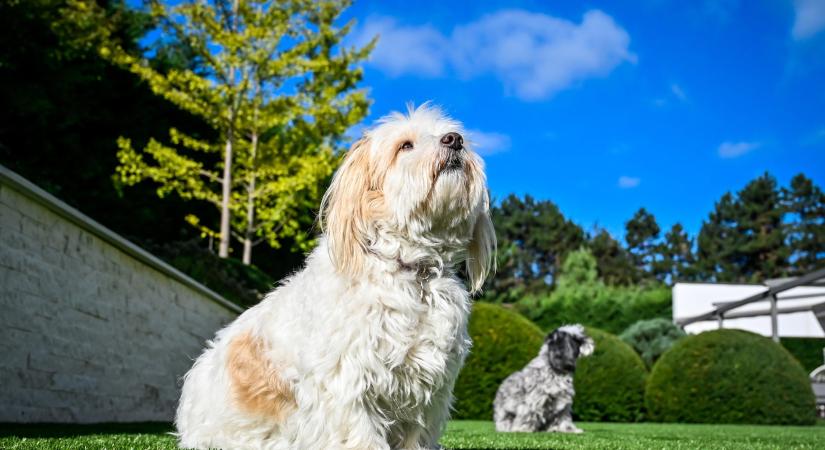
x=762 y=231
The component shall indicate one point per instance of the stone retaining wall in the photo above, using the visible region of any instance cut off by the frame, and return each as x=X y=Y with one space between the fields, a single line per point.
x=92 y=328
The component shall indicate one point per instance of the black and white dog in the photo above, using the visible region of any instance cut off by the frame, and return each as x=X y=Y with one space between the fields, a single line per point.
x=540 y=396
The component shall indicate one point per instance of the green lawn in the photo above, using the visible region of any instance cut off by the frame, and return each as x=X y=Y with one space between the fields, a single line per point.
x=460 y=435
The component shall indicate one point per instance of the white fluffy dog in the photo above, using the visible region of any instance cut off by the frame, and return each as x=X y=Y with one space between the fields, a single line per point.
x=360 y=349
x=540 y=396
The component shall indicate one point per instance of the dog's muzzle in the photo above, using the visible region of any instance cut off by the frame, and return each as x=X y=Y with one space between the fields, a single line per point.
x=454 y=143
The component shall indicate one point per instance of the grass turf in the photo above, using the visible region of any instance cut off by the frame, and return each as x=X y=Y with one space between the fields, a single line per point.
x=474 y=435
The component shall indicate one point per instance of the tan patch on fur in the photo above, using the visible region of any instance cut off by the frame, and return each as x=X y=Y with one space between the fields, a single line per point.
x=256 y=386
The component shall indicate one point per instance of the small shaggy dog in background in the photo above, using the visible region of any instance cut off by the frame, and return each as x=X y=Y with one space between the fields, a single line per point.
x=360 y=349
x=540 y=396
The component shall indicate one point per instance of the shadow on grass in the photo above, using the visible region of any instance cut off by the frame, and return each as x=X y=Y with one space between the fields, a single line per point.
x=43 y=430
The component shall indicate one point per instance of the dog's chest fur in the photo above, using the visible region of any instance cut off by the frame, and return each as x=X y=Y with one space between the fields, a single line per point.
x=420 y=342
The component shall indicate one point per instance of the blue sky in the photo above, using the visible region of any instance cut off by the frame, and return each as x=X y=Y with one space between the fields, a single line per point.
x=607 y=106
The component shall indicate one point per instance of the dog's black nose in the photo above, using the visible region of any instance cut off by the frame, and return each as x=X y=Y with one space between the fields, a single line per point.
x=453 y=140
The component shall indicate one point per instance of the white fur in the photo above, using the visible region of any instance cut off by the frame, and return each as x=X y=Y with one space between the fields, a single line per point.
x=371 y=354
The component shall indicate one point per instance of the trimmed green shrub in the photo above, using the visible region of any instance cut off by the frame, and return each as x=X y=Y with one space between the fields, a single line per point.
x=729 y=376
x=240 y=284
x=503 y=342
x=651 y=338
x=610 y=383
x=808 y=351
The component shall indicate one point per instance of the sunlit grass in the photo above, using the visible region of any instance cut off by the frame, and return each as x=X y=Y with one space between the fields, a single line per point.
x=476 y=435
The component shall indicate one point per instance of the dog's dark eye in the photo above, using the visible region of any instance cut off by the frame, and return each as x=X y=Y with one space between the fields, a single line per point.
x=407 y=145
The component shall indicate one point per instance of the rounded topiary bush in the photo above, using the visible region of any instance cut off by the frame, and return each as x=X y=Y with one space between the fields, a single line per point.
x=610 y=383
x=652 y=338
x=729 y=376
x=503 y=342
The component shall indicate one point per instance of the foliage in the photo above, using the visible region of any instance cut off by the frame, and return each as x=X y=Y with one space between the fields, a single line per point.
x=641 y=234
x=279 y=90
x=676 y=258
x=503 y=343
x=805 y=203
x=63 y=108
x=242 y=284
x=743 y=239
x=616 y=267
x=533 y=237
x=581 y=297
x=808 y=351
x=729 y=376
x=610 y=383
x=651 y=338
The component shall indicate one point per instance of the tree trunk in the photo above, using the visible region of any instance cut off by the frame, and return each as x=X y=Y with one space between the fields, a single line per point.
x=223 y=249
x=250 y=206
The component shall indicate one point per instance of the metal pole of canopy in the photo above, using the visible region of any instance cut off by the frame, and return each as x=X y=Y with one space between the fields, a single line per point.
x=774 y=319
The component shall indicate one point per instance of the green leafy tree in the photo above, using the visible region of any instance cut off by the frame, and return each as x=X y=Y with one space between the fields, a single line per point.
x=676 y=259
x=277 y=85
x=641 y=236
x=534 y=236
x=616 y=266
x=805 y=203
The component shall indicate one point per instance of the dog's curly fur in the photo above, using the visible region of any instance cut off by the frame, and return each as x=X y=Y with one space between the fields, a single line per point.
x=540 y=396
x=360 y=349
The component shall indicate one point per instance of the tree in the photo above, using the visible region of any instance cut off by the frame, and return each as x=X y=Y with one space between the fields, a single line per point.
x=534 y=236
x=278 y=86
x=64 y=107
x=616 y=266
x=676 y=258
x=805 y=203
x=641 y=235
x=764 y=254
x=743 y=238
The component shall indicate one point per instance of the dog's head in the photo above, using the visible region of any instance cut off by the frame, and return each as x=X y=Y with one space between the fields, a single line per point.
x=565 y=345
x=414 y=176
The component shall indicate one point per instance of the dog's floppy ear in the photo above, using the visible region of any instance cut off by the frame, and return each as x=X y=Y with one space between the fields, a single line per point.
x=482 y=249
x=587 y=347
x=345 y=208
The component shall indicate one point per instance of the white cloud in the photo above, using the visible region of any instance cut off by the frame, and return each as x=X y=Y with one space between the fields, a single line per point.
x=626 y=182
x=809 y=20
x=401 y=50
x=535 y=55
x=488 y=143
x=678 y=92
x=735 y=149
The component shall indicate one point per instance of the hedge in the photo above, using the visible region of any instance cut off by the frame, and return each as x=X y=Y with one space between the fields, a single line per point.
x=609 y=308
x=729 y=376
x=808 y=351
x=610 y=383
x=503 y=342
x=651 y=338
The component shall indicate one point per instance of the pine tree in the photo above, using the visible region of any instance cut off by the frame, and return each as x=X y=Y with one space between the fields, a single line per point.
x=717 y=242
x=743 y=238
x=763 y=254
x=676 y=258
x=616 y=265
x=641 y=236
x=278 y=86
x=534 y=236
x=805 y=227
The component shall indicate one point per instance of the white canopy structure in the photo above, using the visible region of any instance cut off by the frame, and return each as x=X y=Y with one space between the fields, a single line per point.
x=788 y=307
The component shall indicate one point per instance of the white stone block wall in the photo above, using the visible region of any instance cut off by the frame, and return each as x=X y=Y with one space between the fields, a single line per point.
x=92 y=328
